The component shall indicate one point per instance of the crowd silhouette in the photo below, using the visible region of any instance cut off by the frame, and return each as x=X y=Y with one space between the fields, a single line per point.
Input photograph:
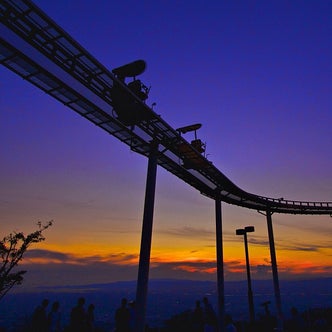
x=204 y=319
x=81 y=320
x=201 y=318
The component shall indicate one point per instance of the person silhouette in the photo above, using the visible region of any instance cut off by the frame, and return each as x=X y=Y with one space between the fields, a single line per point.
x=39 y=317
x=122 y=317
x=90 y=318
x=296 y=322
x=78 y=316
x=210 y=318
x=54 y=318
x=132 y=316
x=198 y=318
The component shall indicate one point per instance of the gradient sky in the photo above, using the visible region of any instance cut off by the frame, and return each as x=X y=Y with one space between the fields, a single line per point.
x=256 y=74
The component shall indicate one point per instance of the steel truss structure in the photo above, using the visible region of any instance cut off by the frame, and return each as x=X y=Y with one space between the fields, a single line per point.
x=33 y=46
x=36 y=48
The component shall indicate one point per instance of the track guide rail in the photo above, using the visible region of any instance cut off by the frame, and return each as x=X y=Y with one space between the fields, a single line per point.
x=33 y=46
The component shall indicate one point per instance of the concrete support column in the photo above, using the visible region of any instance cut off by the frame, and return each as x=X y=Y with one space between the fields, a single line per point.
x=146 y=238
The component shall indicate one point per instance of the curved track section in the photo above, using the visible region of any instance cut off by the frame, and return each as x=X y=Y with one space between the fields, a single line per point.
x=33 y=46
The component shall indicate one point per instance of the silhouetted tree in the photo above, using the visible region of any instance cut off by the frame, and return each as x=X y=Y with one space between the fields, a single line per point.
x=12 y=249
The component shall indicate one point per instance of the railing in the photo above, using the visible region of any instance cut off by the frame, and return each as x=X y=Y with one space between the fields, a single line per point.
x=63 y=68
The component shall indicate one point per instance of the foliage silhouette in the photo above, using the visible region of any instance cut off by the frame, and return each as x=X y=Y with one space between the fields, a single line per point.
x=12 y=249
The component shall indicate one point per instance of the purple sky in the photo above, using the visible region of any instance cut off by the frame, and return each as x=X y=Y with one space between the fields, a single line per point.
x=257 y=75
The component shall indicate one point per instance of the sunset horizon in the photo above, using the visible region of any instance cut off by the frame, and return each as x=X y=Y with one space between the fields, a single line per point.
x=252 y=82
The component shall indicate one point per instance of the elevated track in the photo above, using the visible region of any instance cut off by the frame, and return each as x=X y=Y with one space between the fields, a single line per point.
x=33 y=46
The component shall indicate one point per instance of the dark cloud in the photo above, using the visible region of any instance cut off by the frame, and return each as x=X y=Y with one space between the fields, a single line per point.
x=323 y=227
x=253 y=239
x=59 y=269
x=188 y=231
x=260 y=241
x=59 y=257
x=65 y=274
x=296 y=246
x=48 y=254
x=299 y=248
x=290 y=245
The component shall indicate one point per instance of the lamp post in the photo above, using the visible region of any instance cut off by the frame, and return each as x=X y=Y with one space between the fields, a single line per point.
x=244 y=231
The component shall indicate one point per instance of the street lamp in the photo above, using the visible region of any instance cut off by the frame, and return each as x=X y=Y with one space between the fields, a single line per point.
x=244 y=231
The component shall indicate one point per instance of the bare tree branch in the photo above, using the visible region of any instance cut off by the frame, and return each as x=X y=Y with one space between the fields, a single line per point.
x=12 y=249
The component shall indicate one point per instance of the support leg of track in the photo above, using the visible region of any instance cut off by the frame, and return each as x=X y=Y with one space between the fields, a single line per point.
x=220 y=267
x=144 y=260
x=274 y=270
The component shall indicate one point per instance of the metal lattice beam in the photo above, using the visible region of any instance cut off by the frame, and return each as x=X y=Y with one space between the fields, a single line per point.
x=36 y=48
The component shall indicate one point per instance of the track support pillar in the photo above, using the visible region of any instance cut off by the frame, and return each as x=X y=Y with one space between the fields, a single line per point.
x=220 y=267
x=146 y=238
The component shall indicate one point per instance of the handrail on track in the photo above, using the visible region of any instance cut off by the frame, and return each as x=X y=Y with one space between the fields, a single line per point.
x=34 y=27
